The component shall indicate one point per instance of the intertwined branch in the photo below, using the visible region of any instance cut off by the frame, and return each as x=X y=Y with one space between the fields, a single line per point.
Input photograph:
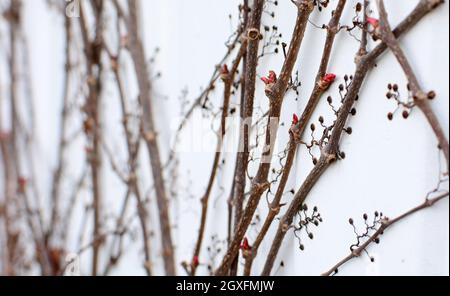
x=102 y=43
x=331 y=151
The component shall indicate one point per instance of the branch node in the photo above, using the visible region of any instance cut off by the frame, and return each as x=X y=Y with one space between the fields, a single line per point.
x=253 y=34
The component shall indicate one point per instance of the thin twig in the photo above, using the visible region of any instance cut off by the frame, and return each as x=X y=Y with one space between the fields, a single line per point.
x=150 y=135
x=385 y=224
x=228 y=80
x=421 y=98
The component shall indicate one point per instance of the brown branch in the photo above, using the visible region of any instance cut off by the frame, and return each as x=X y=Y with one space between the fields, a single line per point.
x=114 y=257
x=275 y=93
x=239 y=179
x=137 y=51
x=58 y=173
x=238 y=164
x=329 y=153
x=92 y=125
x=385 y=224
x=131 y=181
x=253 y=35
x=421 y=98
x=18 y=134
x=297 y=133
x=9 y=186
x=364 y=40
x=228 y=79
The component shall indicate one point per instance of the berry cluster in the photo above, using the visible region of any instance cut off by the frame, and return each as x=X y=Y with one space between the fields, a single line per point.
x=306 y=219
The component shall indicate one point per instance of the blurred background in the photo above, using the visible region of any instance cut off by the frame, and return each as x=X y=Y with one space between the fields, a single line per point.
x=390 y=166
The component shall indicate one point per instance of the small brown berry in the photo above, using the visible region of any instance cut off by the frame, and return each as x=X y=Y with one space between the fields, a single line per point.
x=390 y=116
x=321 y=119
x=431 y=95
x=405 y=114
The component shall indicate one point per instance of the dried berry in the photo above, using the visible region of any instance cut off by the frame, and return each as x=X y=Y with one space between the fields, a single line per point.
x=321 y=119
x=390 y=115
x=431 y=95
x=405 y=114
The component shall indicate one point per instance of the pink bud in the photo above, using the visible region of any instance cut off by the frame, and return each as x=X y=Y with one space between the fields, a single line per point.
x=271 y=79
x=272 y=76
x=22 y=183
x=373 y=21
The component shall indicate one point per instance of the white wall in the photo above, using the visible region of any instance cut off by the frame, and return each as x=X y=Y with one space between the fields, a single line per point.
x=390 y=166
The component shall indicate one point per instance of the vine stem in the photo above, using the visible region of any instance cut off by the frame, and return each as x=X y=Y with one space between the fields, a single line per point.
x=385 y=224
x=419 y=95
x=296 y=133
x=329 y=153
x=228 y=80
x=275 y=93
x=150 y=135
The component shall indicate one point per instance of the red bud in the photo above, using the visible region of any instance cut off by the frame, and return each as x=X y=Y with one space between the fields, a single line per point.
x=295 y=119
x=245 y=245
x=224 y=70
x=195 y=261
x=329 y=78
x=326 y=81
